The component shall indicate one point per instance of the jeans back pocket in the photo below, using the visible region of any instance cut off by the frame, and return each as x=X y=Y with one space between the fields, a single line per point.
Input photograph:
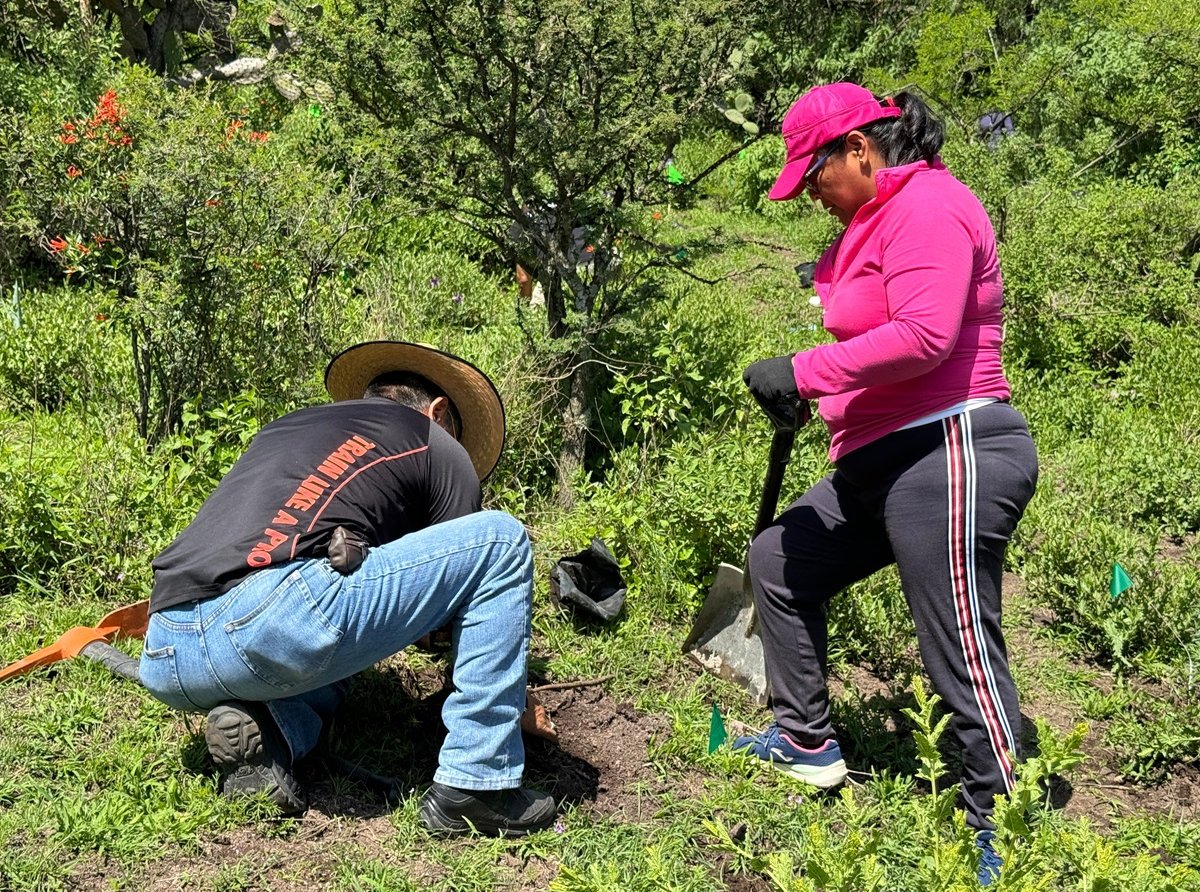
x=286 y=640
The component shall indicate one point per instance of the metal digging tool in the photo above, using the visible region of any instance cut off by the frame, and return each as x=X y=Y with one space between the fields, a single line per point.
x=725 y=638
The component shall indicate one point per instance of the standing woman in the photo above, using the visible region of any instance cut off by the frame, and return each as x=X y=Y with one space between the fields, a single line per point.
x=932 y=466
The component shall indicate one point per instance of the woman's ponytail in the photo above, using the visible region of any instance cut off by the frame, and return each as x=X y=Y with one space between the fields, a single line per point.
x=917 y=135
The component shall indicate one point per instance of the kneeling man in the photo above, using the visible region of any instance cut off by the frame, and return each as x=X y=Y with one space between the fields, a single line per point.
x=346 y=532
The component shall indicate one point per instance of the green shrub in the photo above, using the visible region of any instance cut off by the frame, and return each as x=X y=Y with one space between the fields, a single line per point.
x=1118 y=270
x=60 y=346
x=86 y=507
x=213 y=237
x=80 y=501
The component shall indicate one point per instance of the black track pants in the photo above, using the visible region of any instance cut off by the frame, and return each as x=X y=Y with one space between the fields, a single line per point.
x=941 y=502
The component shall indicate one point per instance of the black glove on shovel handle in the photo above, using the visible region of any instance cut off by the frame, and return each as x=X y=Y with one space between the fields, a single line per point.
x=772 y=383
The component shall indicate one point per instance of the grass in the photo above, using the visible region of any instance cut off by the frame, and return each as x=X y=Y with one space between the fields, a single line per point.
x=99 y=780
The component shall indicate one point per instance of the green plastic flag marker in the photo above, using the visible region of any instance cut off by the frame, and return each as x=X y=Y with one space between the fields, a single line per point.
x=716 y=730
x=681 y=254
x=674 y=175
x=314 y=110
x=1120 y=580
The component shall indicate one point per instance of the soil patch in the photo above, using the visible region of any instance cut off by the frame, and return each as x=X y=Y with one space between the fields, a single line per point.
x=600 y=760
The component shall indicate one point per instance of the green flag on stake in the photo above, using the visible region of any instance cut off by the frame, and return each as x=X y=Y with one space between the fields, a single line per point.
x=314 y=110
x=1120 y=580
x=674 y=174
x=716 y=730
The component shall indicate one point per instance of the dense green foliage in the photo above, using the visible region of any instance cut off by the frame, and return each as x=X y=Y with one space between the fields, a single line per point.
x=177 y=264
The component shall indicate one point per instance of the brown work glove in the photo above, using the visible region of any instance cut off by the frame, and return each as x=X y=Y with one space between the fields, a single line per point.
x=347 y=550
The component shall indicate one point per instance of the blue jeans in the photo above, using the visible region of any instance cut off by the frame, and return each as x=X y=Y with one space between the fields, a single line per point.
x=290 y=637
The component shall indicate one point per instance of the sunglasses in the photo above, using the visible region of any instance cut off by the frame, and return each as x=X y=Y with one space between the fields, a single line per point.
x=809 y=181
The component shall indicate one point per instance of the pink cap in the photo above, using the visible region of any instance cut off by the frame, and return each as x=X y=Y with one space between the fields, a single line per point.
x=818 y=117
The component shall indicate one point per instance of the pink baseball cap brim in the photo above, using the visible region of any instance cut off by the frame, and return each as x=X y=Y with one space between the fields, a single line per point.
x=790 y=181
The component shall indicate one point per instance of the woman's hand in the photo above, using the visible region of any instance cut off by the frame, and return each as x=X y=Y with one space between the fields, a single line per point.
x=772 y=383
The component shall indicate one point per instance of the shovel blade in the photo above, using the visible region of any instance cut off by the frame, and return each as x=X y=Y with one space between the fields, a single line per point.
x=724 y=639
x=67 y=645
x=130 y=621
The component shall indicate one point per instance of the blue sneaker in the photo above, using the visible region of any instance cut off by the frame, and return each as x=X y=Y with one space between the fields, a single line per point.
x=822 y=767
x=989 y=862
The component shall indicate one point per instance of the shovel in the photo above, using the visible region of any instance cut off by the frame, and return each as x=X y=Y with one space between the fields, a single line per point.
x=725 y=639
x=90 y=642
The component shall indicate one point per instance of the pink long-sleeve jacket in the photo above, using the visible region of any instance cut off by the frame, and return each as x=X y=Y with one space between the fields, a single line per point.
x=912 y=293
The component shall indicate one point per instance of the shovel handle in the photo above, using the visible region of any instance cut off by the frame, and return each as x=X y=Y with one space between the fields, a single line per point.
x=116 y=661
x=781 y=453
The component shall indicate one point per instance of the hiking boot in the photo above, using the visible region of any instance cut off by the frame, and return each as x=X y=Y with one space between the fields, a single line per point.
x=821 y=766
x=516 y=812
x=989 y=862
x=251 y=755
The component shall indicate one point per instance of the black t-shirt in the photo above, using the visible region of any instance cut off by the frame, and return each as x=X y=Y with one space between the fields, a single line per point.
x=375 y=467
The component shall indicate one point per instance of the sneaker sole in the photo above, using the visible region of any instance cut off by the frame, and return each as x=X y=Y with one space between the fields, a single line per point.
x=824 y=778
x=438 y=822
x=235 y=743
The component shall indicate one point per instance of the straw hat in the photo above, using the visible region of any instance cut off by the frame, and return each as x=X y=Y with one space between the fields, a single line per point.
x=472 y=392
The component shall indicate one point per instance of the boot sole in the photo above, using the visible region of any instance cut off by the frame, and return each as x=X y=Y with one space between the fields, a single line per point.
x=235 y=743
x=824 y=778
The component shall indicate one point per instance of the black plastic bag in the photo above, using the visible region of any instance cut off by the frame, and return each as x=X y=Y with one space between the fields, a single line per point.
x=590 y=581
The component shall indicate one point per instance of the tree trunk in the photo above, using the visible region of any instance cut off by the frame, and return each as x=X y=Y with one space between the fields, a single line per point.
x=577 y=421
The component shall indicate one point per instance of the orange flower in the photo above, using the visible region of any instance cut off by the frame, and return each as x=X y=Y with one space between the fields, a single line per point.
x=68 y=138
x=657 y=215
x=108 y=109
x=259 y=136
x=58 y=244
x=212 y=202
x=102 y=317
x=73 y=171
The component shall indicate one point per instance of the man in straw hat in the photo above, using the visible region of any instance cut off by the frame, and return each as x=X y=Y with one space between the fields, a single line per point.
x=346 y=532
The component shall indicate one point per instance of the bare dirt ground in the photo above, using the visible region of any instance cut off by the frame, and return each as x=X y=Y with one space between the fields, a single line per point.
x=599 y=764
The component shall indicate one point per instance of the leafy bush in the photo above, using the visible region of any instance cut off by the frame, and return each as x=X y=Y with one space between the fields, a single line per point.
x=1120 y=476
x=86 y=507
x=1118 y=269
x=213 y=242
x=80 y=501
x=60 y=346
